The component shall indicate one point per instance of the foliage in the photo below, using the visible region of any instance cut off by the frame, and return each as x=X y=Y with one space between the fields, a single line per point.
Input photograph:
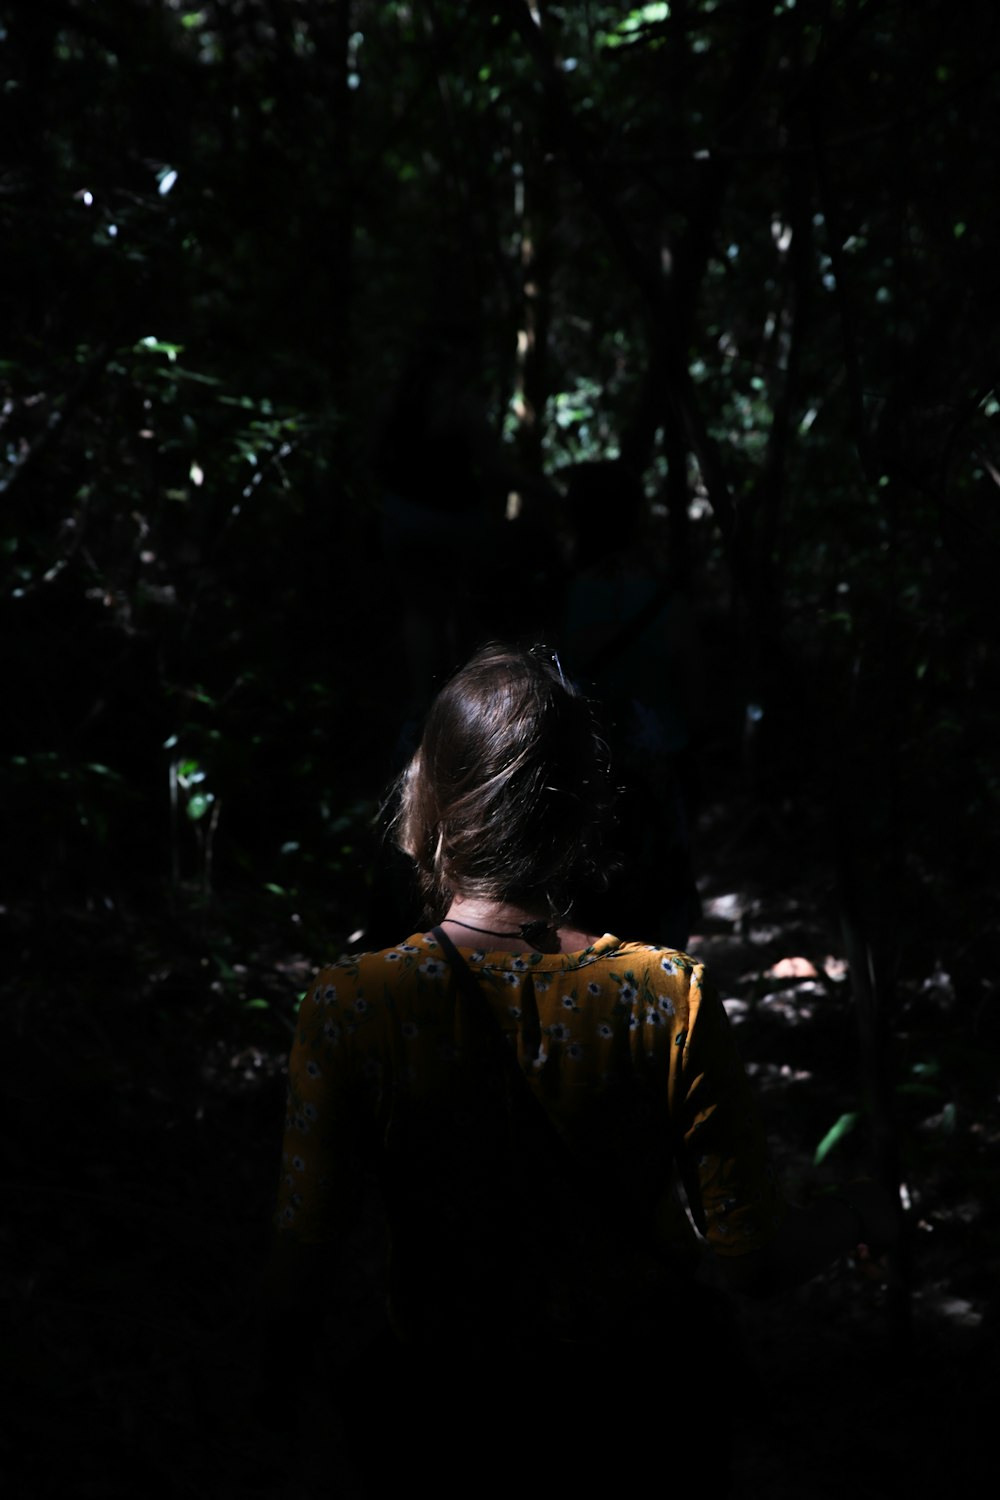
x=720 y=240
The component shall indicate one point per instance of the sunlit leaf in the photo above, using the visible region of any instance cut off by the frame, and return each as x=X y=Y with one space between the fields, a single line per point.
x=198 y=805
x=153 y=345
x=835 y=1134
x=631 y=25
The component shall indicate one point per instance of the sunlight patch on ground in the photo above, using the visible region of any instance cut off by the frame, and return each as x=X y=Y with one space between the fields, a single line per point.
x=776 y=1075
x=957 y=1310
x=297 y=967
x=793 y=1005
x=727 y=908
x=791 y=968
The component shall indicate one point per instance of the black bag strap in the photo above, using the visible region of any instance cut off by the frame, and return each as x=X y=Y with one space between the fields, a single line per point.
x=562 y=1154
x=624 y=1279
x=541 y=1119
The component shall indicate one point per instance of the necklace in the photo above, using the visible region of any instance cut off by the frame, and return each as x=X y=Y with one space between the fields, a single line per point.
x=530 y=931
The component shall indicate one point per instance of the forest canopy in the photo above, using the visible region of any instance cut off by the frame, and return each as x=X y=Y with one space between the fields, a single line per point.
x=741 y=247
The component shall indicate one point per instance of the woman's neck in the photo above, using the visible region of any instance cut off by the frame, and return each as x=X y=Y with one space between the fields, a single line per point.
x=511 y=927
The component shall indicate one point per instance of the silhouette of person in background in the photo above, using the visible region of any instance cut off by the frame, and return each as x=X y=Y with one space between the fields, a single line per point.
x=628 y=637
x=455 y=564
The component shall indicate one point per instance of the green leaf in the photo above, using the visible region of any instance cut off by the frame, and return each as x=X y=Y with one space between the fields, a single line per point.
x=276 y=890
x=198 y=805
x=100 y=770
x=154 y=345
x=835 y=1134
x=179 y=373
x=257 y=1005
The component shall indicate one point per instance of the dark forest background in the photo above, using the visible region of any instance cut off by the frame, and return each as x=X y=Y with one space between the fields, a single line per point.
x=741 y=249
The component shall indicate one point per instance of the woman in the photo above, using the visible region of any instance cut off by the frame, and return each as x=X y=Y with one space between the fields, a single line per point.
x=528 y=1094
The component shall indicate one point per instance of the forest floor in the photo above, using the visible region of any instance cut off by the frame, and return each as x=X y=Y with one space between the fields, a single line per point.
x=144 y=1065
x=844 y=1400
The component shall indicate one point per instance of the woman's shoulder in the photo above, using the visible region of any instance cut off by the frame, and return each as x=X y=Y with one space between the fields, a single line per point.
x=418 y=959
x=354 y=970
x=651 y=970
x=653 y=956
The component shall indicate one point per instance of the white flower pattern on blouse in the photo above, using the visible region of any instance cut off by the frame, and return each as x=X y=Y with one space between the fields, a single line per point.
x=375 y=1030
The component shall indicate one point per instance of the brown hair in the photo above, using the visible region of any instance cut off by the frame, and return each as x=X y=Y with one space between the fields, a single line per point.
x=507 y=796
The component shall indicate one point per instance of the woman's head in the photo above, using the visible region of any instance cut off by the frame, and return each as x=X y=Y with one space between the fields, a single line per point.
x=507 y=796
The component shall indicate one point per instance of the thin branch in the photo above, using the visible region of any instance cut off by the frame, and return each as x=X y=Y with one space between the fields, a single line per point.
x=57 y=422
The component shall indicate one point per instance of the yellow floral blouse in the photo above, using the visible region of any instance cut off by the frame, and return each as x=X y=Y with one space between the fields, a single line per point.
x=628 y=1048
